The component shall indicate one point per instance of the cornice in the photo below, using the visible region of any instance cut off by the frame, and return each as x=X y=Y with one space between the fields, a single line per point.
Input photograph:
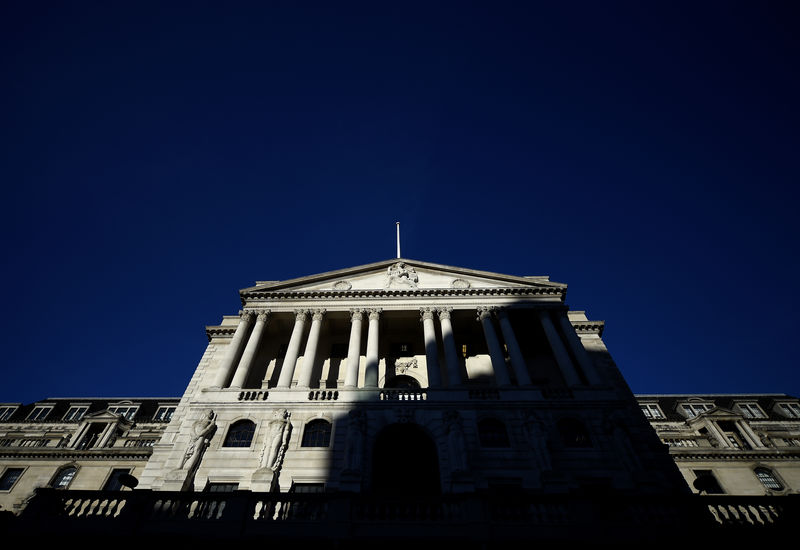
x=733 y=455
x=589 y=327
x=400 y=294
x=43 y=453
x=220 y=330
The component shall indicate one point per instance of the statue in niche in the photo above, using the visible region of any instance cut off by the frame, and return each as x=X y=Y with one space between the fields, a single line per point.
x=202 y=431
x=356 y=432
x=537 y=438
x=614 y=426
x=277 y=440
x=401 y=275
x=455 y=441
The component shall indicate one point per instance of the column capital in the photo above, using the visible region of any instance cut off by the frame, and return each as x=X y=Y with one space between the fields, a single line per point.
x=300 y=314
x=426 y=313
x=245 y=316
x=317 y=314
x=375 y=314
x=263 y=315
x=356 y=314
x=444 y=312
x=485 y=312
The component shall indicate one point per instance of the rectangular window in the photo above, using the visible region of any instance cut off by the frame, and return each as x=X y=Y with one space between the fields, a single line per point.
x=694 y=409
x=76 y=413
x=705 y=482
x=164 y=414
x=128 y=412
x=791 y=410
x=222 y=487
x=751 y=410
x=6 y=412
x=651 y=411
x=114 y=483
x=39 y=413
x=9 y=478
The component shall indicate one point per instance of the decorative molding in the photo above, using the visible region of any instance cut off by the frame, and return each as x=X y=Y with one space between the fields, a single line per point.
x=403 y=365
x=397 y=293
x=401 y=275
x=342 y=285
x=460 y=283
x=588 y=327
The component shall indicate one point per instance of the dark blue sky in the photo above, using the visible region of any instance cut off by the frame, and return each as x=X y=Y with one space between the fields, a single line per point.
x=157 y=157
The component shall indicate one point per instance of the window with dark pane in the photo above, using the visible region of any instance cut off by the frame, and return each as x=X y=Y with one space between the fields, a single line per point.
x=573 y=433
x=240 y=434
x=768 y=479
x=492 y=433
x=317 y=434
x=64 y=477
x=114 y=482
x=9 y=478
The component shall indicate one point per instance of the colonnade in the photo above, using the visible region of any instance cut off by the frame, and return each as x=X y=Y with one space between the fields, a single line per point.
x=243 y=348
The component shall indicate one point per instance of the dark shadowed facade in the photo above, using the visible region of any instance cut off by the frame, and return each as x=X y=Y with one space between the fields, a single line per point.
x=396 y=401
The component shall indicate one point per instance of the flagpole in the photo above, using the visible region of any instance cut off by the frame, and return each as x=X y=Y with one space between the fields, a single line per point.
x=398 y=239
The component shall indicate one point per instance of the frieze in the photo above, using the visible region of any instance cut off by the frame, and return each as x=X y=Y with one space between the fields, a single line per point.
x=409 y=293
x=460 y=283
x=589 y=327
x=342 y=285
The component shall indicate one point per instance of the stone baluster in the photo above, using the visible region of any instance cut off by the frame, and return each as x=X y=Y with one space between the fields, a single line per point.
x=250 y=351
x=290 y=359
x=431 y=353
x=353 y=349
x=450 y=351
x=371 y=368
x=310 y=355
x=234 y=350
x=559 y=351
x=495 y=351
x=517 y=361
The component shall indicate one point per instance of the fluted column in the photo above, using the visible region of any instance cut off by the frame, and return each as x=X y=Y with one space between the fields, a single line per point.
x=250 y=350
x=559 y=351
x=290 y=359
x=371 y=369
x=431 y=353
x=495 y=351
x=353 y=349
x=450 y=351
x=577 y=347
x=234 y=350
x=517 y=361
x=310 y=355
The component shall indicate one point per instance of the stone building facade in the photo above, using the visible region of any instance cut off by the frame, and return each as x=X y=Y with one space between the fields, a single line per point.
x=474 y=399
x=731 y=444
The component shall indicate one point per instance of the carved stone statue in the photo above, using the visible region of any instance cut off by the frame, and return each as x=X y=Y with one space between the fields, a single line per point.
x=455 y=442
x=356 y=432
x=202 y=432
x=401 y=275
x=277 y=439
x=537 y=439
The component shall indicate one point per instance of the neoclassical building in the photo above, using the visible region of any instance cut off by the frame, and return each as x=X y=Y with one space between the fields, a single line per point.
x=400 y=397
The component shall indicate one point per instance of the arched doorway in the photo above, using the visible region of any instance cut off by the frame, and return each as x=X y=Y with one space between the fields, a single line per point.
x=405 y=462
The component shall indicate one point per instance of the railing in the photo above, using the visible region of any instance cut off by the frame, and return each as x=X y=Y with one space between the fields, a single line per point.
x=403 y=395
x=255 y=395
x=323 y=395
x=340 y=516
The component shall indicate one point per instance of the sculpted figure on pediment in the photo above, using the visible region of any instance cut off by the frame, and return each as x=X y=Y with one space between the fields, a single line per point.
x=400 y=275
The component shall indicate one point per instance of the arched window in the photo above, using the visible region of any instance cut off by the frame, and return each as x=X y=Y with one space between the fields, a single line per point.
x=317 y=434
x=768 y=479
x=64 y=477
x=573 y=433
x=240 y=434
x=492 y=433
x=403 y=381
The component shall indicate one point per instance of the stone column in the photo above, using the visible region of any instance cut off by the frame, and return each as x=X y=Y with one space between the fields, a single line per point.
x=560 y=352
x=716 y=432
x=371 y=369
x=289 y=361
x=495 y=351
x=234 y=350
x=577 y=347
x=431 y=353
x=250 y=351
x=517 y=361
x=353 y=349
x=450 y=351
x=751 y=436
x=310 y=355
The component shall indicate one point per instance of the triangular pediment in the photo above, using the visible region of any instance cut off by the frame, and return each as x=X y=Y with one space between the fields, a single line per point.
x=104 y=415
x=401 y=274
